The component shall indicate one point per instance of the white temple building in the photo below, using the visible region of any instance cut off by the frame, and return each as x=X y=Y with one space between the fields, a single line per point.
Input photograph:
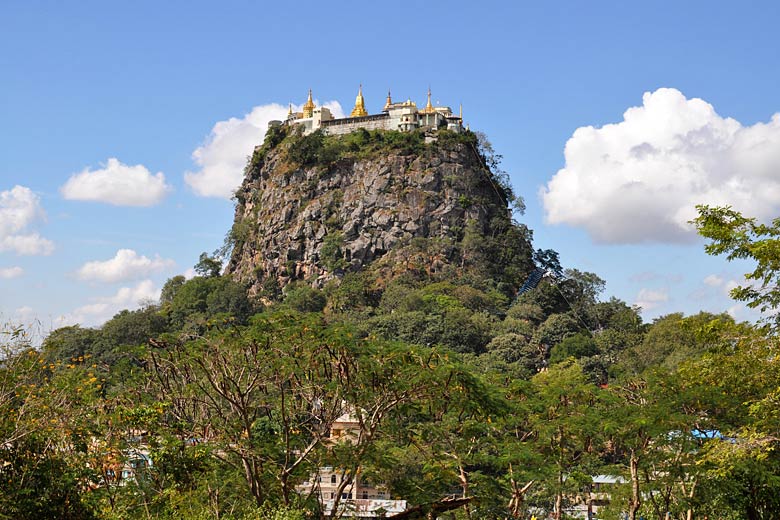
x=403 y=116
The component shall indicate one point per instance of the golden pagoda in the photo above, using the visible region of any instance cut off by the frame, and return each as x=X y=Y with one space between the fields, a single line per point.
x=308 y=107
x=429 y=107
x=360 y=105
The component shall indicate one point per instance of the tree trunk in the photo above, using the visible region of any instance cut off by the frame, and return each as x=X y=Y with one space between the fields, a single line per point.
x=251 y=477
x=636 y=499
x=517 y=501
x=689 y=495
x=590 y=502
x=464 y=482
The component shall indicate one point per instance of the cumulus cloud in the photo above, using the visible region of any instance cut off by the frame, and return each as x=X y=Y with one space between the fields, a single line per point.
x=11 y=272
x=126 y=265
x=223 y=156
x=649 y=299
x=32 y=244
x=738 y=312
x=639 y=180
x=726 y=286
x=104 y=308
x=24 y=314
x=118 y=184
x=20 y=208
x=713 y=280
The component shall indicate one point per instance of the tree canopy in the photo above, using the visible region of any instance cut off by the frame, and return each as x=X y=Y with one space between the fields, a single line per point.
x=215 y=404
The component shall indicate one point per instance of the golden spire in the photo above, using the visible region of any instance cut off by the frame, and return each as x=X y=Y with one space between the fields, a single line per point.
x=290 y=112
x=308 y=107
x=388 y=102
x=429 y=107
x=360 y=105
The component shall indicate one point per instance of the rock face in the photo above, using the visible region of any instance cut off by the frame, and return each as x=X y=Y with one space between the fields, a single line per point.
x=315 y=222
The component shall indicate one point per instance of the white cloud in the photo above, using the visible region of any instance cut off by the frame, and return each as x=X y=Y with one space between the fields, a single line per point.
x=33 y=330
x=11 y=272
x=639 y=180
x=32 y=244
x=104 y=308
x=19 y=209
x=118 y=184
x=143 y=292
x=223 y=156
x=126 y=265
x=737 y=311
x=713 y=280
x=24 y=314
x=649 y=299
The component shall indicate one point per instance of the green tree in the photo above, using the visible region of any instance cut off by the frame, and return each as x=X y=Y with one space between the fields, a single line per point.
x=566 y=417
x=201 y=298
x=449 y=440
x=266 y=395
x=672 y=339
x=331 y=252
x=740 y=237
x=650 y=438
x=577 y=346
x=304 y=298
x=48 y=416
x=736 y=388
x=170 y=288
x=69 y=342
x=208 y=266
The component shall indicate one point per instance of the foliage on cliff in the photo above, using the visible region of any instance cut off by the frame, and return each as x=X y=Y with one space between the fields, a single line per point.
x=315 y=207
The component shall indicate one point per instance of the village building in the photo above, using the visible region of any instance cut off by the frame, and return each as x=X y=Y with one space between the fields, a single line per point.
x=403 y=116
x=360 y=498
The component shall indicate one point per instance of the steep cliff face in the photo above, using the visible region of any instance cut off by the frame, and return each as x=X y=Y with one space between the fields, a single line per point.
x=313 y=208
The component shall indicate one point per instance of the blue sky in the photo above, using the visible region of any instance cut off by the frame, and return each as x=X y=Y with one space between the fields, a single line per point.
x=104 y=104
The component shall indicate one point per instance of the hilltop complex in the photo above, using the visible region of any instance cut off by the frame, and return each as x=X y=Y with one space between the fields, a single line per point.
x=403 y=116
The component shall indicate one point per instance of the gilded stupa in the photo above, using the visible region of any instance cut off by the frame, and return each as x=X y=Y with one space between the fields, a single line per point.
x=308 y=107
x=360 y=105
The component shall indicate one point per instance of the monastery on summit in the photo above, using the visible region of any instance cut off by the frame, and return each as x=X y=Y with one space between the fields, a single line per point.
x=403 y=116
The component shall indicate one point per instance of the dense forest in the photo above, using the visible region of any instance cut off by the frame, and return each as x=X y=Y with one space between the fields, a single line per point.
x=221 y=402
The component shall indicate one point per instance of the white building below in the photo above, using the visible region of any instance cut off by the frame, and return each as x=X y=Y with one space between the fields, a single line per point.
x=359 y=498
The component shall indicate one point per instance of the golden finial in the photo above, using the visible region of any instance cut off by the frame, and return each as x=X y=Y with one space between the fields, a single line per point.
x=290 y=112
x=360 y=105
x=308 y=107
x=388 y=102
x=428 y=107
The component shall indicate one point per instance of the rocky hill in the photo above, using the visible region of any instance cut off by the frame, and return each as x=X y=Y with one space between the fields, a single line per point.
x=315 y=207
